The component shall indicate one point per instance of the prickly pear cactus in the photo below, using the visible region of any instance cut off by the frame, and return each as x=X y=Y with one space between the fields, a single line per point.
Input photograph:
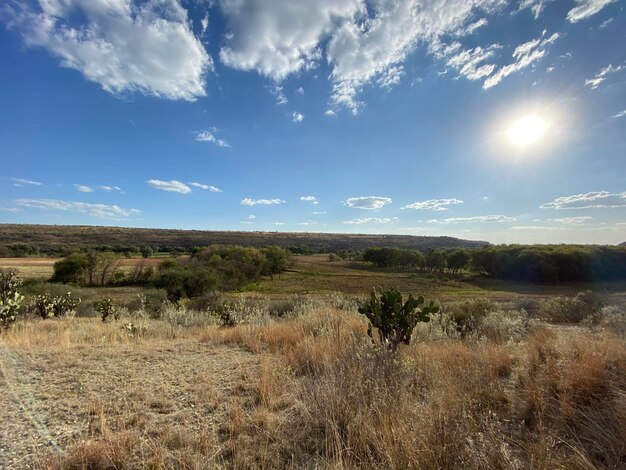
x=10 y=298
x=393 y=318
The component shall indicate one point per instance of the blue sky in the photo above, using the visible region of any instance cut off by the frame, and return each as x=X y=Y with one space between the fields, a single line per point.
x=484 y=119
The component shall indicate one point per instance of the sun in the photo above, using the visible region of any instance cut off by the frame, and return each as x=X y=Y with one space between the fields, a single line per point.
x=527 y=130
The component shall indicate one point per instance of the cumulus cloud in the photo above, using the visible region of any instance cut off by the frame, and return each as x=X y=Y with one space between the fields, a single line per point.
x=146 y=47
x=476 y=219
x=525 y=55
x=206 y=187
x=368 y=220
x=367 y=202
x=297 y=117
x=311 y=199
x=434 y=204
x=601 y=76
x=171 y=186
x=586 y=8
x=208 y=136
x=97 y=210
x=276 y=40
x=263 y=202
x=83 y=189
x=590 y=200
x=22 y=181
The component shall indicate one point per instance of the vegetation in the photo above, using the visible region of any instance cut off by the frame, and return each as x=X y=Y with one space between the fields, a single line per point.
x=10 y=298
x=47 y=306
x=105 y=308
x=60 y=240
x=394 y=319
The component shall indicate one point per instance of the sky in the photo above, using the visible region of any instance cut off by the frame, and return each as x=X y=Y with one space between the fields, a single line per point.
x=492 y=120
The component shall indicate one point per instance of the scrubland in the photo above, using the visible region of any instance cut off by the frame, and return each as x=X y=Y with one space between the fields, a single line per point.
x=301 y=385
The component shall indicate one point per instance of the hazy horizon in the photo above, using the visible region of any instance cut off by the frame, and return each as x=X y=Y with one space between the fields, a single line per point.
x=493 y=120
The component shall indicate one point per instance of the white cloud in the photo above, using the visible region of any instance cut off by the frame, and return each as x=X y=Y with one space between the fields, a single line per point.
x=330 y=112
x=319 y=212
x=172 y=186
x=574 y=220
x=368 y=220
x=277 y=91
x=308 y=222
x=97 y=210
x=620 y=114
x=263 y=202
x=83 y=189
x=22 y=181
x=535 y=6
x=300 y=91
x=472 y=27
x=206 y=187
x=311 y=199
x=595 y=82
x=434 y=204
x=533 y=228
x=146 y=47
x=277 y=40
x=207 y=136
x=252 y=216
x=110 y=188
x=278 y=223
x=297 y=117
x=368 y=202
x=9 y=209
x=591 y=200
x=586 y=8
x=476 y=219
x=525 y=55
x=469 y=62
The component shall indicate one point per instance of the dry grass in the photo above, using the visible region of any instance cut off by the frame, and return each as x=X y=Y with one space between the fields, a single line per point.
x=312 y=391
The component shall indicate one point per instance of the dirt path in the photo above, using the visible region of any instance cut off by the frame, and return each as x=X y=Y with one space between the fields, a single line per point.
x=53 y=398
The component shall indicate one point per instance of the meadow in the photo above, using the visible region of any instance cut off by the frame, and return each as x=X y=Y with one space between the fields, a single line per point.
x=507 y=375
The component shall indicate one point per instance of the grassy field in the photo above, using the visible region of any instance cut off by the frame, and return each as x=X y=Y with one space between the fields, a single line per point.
x=297 y=383
x=309 y=391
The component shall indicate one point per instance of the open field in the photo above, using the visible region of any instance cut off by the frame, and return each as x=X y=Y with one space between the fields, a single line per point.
x=306 y=391
x=42 y=268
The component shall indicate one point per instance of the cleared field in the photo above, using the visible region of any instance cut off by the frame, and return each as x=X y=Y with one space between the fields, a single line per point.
x=43 y=268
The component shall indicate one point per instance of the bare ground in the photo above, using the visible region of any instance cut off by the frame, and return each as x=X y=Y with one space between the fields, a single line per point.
x=51 y=398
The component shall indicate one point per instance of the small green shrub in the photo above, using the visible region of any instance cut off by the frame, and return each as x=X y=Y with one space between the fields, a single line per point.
x=10 y=298
x=393 y=318
x=106 y=308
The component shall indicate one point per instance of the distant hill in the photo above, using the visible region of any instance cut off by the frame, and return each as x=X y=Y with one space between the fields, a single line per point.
x=57 y=238
x=622 y=244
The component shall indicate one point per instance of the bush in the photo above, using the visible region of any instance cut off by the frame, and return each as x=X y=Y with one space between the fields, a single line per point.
x=501 y=326
x=613 y=319
x=584 y=306
x=106 y=308
x=151 y=302
x=59 y=306
x=468 y=315
x=10 y=298
x=394 y=319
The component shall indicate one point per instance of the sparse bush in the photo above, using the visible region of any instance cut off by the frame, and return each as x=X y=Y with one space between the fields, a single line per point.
x=47 y=306
x=500 y=325
x=613 y=319
x=394 y=319
x=42 y=305
x=10 y=298
x=468 y=315
x=585 y=305
x=106 y=308
x=150 y=302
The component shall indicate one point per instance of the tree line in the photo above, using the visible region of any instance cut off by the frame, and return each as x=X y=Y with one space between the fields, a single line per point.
x=536 y=263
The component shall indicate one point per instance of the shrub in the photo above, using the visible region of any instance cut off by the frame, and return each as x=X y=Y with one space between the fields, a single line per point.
x=585 y=305
x=10 y=298
x=46 y=306
x=106 y=308
x=42 y=305
x=468 y=315
x=500 y=325
x=613 y=319
x=394 y=319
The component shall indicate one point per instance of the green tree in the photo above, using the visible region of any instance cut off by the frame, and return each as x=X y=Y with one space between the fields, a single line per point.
x=72 y=268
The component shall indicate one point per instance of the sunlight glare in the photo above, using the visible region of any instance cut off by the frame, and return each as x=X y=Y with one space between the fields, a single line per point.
x=527 y=130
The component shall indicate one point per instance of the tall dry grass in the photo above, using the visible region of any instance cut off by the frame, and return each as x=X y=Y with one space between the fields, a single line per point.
x=325 y=397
